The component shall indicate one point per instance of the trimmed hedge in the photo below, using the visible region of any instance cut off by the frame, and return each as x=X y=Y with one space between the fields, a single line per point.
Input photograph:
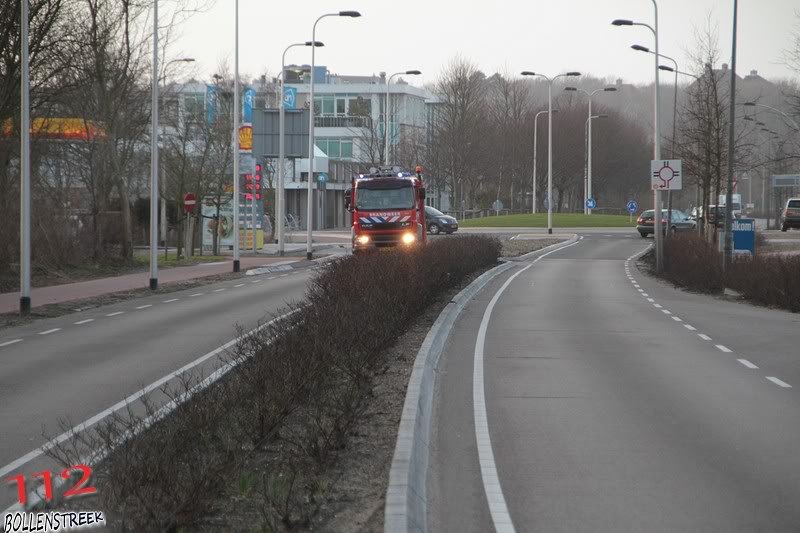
x=296 y=388
x=771 y=280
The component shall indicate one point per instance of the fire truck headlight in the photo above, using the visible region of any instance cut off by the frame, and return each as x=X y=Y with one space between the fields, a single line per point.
x=409 y=238
x=363 y=239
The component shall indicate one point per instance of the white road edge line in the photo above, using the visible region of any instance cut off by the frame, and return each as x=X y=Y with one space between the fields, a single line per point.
x=9 y=343
x=779 y=382
x=49 y=331
x=491 y=481
x=723 y=348
x=747 y=363
x=28 y=457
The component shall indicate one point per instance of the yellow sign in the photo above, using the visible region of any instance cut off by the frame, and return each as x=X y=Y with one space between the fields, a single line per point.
x=246 y=239
x=246 y=138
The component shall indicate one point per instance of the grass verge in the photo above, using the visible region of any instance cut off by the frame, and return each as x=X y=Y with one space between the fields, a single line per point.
x=560 y=220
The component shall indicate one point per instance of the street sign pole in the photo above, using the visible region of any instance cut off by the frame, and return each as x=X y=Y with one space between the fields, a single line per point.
x=25 y=170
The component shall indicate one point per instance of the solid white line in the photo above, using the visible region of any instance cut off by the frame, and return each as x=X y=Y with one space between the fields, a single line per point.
x=170 y=300
x=144 y=306
x=79 y=322
x=690 y=328
x=704 y=336
x=676 y=319
x=14 y=465
x=722 y=348
x=747 y=363
x=239 y=285
x=779 y=383
x=9 y=343
x=49 y=331
x=196 y=294
x=115 y=313
x=218 y=290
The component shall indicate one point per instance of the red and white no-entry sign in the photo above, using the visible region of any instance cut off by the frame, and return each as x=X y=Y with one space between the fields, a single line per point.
x=189 y=201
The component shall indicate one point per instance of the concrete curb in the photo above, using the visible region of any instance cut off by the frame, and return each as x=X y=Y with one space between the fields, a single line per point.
x=535 y=253
x=406 y=496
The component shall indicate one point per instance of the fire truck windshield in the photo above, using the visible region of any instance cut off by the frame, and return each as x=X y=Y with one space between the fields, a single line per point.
x=374 y=197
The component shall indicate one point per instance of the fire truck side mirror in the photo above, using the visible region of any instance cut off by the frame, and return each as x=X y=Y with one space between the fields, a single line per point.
x=422 y=193
x=348 y=199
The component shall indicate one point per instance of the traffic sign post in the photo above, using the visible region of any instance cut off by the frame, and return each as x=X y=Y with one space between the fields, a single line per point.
x=591 y=203
x=666 y=175
x=189 y=201
x=632 y=207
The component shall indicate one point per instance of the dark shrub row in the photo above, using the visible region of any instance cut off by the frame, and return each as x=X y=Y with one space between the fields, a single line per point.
x=772 y=280
x=297 y=387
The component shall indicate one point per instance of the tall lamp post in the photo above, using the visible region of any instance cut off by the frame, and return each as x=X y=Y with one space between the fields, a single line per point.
x=656 y=134
x=728 y=257
x=587 y=186
x=386 y=111
x=25 y=167
x=535 y=144
x=280 y=200
x=235 y=132
x=550 y=140
x=153 y=157
x=310 y=203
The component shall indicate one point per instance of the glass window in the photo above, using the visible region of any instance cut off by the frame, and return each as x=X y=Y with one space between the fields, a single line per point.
x=360 y=107
x=384 y=198
x=322 y=144
x=317 y=106
x=333 y=148
x=347 y=149
x=327 y=106
x=340 y=106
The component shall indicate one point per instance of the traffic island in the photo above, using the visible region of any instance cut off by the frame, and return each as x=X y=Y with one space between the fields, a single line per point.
x=296 y=408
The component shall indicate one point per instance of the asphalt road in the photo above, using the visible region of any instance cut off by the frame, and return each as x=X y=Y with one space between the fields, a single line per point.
x=615 y=403
x=76 y=366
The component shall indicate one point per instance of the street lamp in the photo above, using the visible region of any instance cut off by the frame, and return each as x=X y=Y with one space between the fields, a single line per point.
x=682 y=73
x=535 y=144
x=280 y=206
x=236 y=111
x=549 y=140
x=656 y=135
x=153 y=156
x=310 y=203
x=25 y=167
x=787 y=117
x=386 y=111
x=587 y=184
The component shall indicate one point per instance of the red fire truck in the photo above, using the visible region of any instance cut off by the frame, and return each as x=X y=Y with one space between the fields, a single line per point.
x=387 y=207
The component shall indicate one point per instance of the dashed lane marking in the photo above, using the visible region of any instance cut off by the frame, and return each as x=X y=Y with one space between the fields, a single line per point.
x=747 y=363
x=86 y=321
x=723 y=348
x=704 y=336
x=170 y=300
x=144 y=306
x=690 y=328
x=49 y=331
x=779 y=382
x=9 y=343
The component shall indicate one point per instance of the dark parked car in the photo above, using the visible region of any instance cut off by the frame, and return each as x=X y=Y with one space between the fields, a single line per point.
x=680 y=222
x=790 y=218
x=438 y=222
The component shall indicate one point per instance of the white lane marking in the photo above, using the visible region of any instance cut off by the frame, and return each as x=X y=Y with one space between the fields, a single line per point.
x=645 y=294
x=283 y=275
x=30 y=456
x=196 y=294
x=239 y=285
x=491 y=481
x=779 y=382
x=218 y=290
x=704 y=336
x=690 y=328
x=79 y=322
x=256 y=281
x=666 y=311
x=657 y=306
x=581 y=238
x=677 y=319
x=115 y=313
x=271 y=277
x=170 y=300
x=9 y=343
x=49 y=331
x=144 y=306
x=747 y=363
x=640 y=290
x=723 y=348
x=650 y=300
x=215 y=263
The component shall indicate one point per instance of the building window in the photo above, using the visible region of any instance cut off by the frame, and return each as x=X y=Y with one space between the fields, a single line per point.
x=335 y=148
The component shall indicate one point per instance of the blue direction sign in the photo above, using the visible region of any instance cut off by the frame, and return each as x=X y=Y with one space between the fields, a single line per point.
x=591 y=203
x=289 y=97
x=632 y=206
x=322 y=177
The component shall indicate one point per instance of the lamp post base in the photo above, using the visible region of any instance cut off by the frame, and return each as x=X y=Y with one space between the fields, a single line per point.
x=25 y=305
x=549 y=231
x=309 y=255
x=236 y=266
x=153 y=283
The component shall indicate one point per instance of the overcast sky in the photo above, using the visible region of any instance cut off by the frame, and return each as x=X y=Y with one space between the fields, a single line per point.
x=550 y=36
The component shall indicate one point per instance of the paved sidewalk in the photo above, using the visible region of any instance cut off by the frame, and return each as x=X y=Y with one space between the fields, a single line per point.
x=9 y=302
